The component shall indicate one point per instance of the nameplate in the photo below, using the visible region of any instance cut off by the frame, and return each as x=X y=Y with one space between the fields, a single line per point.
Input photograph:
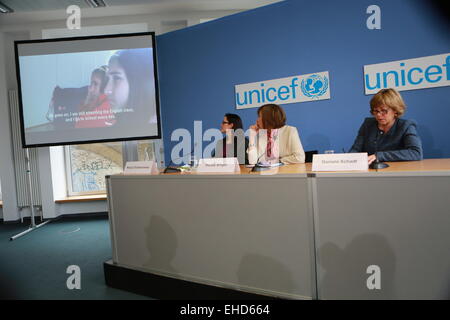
x=340 y=162
x=141 y=167
x=218 y=165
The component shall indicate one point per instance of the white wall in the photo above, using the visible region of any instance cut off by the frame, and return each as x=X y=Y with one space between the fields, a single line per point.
x=51 y=183
x=1 y=209
x=9 y=195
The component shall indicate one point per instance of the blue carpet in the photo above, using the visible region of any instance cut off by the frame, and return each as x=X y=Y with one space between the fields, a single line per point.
x=34 y=266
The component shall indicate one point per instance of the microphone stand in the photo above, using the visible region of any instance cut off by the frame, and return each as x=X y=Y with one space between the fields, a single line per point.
x=170 y=169
x=33 y=225
x=377 y=164
x=257 y=167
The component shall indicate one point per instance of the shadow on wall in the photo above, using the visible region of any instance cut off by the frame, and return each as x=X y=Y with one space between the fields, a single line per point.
x=346 y=276
x=262 y=272
x=446 y=290
x=429 y=150
x=161 y=244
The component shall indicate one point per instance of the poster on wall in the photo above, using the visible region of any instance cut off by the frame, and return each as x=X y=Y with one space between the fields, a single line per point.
x=301 y=88
x=410 y=74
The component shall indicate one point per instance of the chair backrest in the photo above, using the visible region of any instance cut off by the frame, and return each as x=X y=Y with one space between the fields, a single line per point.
x=309 y=155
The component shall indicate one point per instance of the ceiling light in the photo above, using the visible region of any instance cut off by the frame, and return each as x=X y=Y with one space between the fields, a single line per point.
x=5 y=9
x=96 y=3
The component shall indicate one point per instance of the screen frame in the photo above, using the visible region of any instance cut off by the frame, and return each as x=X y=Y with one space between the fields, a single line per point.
x=17 y=43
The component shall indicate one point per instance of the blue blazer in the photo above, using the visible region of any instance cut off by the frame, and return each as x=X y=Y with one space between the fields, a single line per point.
x=400 y=143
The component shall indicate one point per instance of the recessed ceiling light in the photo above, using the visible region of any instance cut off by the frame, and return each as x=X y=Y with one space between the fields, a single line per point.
x=5 y=9
x=96 y=3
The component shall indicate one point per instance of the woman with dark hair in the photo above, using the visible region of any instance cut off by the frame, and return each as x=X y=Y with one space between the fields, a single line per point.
x=271 y=140
x=235 y=143
x=131 y=86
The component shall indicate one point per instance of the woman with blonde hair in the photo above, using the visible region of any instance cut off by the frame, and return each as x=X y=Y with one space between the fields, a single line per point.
x=385 y=136
x=271 y=140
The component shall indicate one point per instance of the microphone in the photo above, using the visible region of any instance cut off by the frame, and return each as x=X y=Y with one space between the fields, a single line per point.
x=171 y=169
x=258 y=167
x=377 y=164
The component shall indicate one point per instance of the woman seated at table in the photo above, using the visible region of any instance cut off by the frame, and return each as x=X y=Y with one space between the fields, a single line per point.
x=271 y=140
x=235 y=143
x=386 y=137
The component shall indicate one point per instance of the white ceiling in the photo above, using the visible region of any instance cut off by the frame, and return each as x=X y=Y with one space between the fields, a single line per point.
x=47 y=5
x=30 y=11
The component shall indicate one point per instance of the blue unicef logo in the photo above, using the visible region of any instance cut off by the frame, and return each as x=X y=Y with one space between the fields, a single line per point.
x=314 y=86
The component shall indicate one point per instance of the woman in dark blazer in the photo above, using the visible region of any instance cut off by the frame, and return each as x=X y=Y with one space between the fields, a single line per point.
x=387 y=137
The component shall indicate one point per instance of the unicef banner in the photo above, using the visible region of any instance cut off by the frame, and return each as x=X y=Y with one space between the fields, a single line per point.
x=411 y=74
x=309 y=87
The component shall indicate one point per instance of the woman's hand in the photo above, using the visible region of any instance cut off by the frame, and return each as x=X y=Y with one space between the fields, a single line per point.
x=253 y=133
x=254 y=127
x=371 y=158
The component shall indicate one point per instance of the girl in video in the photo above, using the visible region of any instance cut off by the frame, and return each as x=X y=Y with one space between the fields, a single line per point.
x=96 y=110
x=131 y=88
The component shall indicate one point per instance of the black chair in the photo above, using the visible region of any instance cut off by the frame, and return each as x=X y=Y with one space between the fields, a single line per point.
x=309 y=155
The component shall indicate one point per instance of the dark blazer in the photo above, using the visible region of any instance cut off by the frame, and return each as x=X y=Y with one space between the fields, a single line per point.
x=400 y=143
x=240 y=150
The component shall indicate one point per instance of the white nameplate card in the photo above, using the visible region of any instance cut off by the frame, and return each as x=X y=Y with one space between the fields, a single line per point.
x=340 y=162
x=219 y=165
x=141 y=167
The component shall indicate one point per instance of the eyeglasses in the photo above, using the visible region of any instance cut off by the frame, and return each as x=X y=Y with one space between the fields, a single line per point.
x=225 y=122
x=381 y=111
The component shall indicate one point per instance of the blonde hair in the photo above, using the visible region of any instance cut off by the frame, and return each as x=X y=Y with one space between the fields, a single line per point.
x=390 y=98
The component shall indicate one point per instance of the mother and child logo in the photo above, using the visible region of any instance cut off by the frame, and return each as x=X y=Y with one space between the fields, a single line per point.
x=314 y=86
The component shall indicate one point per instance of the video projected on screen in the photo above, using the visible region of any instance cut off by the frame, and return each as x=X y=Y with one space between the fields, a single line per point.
x=87 y=90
